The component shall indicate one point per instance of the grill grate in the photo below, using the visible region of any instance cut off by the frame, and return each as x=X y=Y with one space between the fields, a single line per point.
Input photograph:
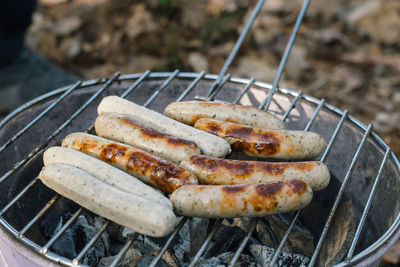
x=169 y=77
x=217 y=87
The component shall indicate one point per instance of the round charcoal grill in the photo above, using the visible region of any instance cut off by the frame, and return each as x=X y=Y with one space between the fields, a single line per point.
x=354 y=220
x=362 y=166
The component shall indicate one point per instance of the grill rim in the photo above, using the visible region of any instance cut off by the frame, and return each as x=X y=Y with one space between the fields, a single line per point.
x=378 y=248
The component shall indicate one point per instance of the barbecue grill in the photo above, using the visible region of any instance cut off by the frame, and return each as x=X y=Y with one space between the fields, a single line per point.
x=362 y=166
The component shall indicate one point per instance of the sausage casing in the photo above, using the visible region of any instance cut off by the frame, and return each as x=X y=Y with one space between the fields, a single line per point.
x=124 y=129
x=209 y=144
x=242 y=200
x=151 y=169
x=218 y=171
x=252 y=141
x=189 y=112
x=105 y=173
x=129 y=210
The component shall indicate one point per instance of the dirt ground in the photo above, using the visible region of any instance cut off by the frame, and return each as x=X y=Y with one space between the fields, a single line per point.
x=347 y=52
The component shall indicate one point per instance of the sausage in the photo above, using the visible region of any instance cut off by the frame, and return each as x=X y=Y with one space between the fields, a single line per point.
x=105 y=173
x=151 y=169
x=129 y=210
x=252 y=141
x=209 y=144
x=126 y=130
x=241 y=200
x=218 y=171
x=189 y=112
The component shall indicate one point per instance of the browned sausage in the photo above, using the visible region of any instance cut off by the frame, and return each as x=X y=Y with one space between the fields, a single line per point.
x=252 y=141
x=243 y=200
x=218 y=171
x=151 y=169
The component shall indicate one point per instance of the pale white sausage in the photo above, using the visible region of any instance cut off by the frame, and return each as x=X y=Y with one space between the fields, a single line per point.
x=129 y=210
x=105 y=172
x=209 y=144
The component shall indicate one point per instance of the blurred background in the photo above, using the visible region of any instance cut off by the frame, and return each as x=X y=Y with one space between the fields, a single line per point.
x=347 y=51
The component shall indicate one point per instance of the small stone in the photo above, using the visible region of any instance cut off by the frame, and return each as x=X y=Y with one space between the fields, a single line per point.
x=198 y=62
x=258 y=68
x=386 y=121
x=396 y=98
x=377 y=19
x=71 y=47
x=67 y=25
x=215 y=7
x=297 y=63
x=140 y=21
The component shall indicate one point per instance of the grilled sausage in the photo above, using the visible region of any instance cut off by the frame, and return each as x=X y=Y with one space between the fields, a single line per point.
x=189 y=112
x=151 y=169
x=209 y=144
x=126 y=130
x=218 y=171
x=129 y=210
x=105 y=173
x=242 y=200
x=252 y=141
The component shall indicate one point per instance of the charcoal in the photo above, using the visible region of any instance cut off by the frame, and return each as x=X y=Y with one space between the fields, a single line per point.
x=225 y=239
x=146 y=245
x=263 y=256
x=243 y=223
x=65 y=245
x=131 y=258
x=169 y=258
x=84 y=233
x=98 y=222
x=300 y=239
x=265 y=234
x=116 y=247
x=124 y=234
x=224 y=259
x=113 y=230
x=198 y=233
x=340 y=234
x=182 y=246
x=146 y=260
